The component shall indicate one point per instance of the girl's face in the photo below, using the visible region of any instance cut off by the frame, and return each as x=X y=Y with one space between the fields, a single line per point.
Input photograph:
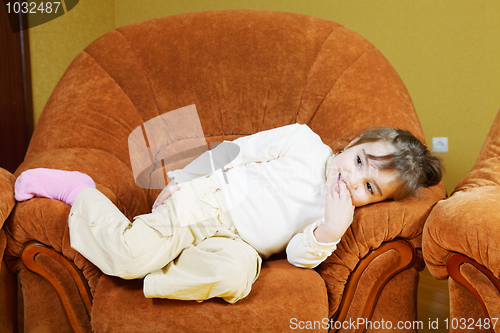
x=365 y=182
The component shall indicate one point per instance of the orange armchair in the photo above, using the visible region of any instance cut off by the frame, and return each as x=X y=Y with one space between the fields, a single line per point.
x=461 y=244
x=246 y=71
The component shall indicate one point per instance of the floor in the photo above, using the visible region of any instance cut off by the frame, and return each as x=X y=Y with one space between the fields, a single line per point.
x=433 y=304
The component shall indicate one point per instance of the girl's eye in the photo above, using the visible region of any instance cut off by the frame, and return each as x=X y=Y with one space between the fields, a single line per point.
x=369 y=187
x=358 y=161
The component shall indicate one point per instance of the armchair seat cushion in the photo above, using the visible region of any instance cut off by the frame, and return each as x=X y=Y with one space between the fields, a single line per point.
x=120 y=306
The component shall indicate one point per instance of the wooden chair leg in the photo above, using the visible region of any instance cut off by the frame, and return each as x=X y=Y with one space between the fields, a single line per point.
x=453 y=263
x=407 y=258
x=28 y=257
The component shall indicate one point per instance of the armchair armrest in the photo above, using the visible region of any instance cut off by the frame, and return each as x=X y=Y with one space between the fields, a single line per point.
x=8 y=285
x=372 y=226
x=110 y=174
x=46 y=221
x=466 y=223
x=7 y=203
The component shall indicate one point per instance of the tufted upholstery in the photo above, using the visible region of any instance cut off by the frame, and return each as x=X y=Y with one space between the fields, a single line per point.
x=245 y=71
x=461 y=237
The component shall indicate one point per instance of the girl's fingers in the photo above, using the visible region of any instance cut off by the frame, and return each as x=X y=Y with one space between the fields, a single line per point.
x=344 y=193
x=157 y=203
x=330 y=186
x=342 y=188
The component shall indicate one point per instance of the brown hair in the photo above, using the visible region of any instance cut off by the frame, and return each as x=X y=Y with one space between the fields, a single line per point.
x=415 y=165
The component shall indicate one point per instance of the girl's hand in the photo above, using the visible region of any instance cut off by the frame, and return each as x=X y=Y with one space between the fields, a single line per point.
x=166 y=193
x=339 y=212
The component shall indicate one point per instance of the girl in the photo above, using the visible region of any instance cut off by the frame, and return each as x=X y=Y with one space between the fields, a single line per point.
x=207 y=234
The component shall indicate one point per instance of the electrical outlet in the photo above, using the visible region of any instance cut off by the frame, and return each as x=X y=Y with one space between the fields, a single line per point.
x=440 y=145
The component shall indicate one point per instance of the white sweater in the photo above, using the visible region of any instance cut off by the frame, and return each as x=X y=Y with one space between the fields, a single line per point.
x=275 y=191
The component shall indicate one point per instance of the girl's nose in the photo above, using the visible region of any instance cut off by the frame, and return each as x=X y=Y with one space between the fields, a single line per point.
x=354 y=181
x=354 y=185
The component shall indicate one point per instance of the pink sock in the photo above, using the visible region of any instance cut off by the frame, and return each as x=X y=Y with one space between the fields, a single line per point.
x=50 y=183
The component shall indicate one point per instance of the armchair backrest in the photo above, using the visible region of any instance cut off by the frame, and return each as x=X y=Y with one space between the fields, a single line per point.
x=486 y=170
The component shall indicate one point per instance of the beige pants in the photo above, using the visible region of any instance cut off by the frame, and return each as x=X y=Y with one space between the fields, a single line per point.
x=187 y=248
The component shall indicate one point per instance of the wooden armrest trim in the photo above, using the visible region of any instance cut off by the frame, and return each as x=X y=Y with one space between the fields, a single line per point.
x=407 y=258
x=453 y=263
x=28 y=257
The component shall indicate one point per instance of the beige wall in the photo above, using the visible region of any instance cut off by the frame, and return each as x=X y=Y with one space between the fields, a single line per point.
x=446 y=52
x=55 y=44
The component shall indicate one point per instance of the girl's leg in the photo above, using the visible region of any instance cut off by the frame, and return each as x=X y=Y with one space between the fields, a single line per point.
x=50 y=183
x=217 y=267
x=105 y=236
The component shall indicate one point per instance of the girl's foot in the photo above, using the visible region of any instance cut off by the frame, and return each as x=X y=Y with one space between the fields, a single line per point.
x=50 y=183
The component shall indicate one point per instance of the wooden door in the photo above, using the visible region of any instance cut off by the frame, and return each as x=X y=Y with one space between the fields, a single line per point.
x=16 y=107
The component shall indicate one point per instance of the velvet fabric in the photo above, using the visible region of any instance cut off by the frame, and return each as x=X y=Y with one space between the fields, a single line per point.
x=7 y=203
x=463 y=304
x=8 y=283
x=261 y=311
x=246 y=71
x=469 y=223
x=395 y=295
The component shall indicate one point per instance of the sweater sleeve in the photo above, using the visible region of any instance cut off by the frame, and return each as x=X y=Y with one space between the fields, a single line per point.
x=305 y=251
